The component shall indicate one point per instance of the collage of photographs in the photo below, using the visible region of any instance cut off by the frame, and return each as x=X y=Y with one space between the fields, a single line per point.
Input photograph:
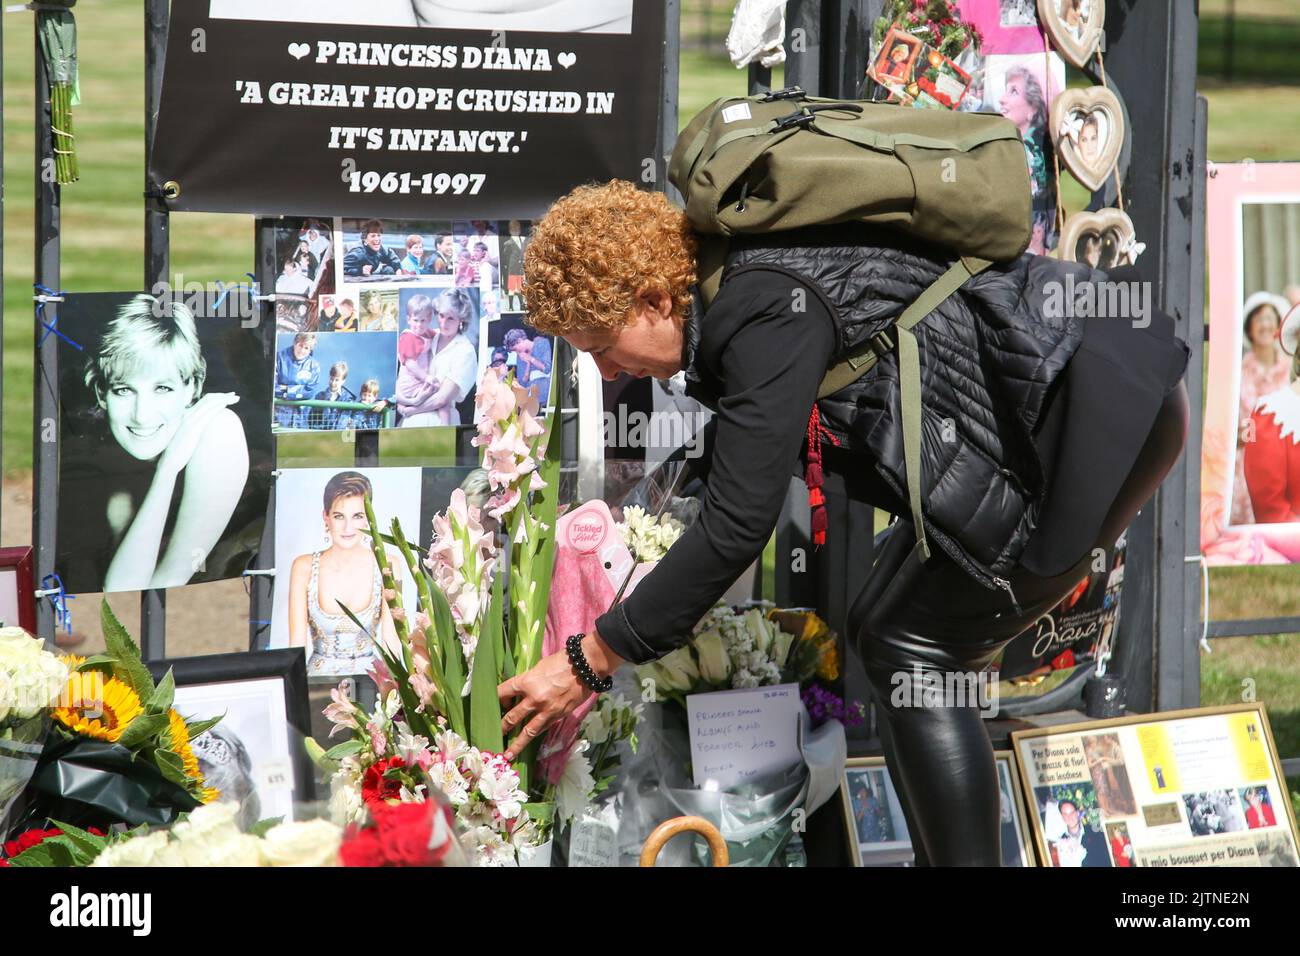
x=389 y=323
x=1168 y=791
x=1014 y=73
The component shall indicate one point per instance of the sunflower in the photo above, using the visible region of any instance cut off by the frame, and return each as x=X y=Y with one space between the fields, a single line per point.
x=179 y=737
x=93 y=707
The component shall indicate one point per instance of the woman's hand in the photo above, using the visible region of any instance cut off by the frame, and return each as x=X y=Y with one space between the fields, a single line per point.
x=549 y=692
x=194 y=423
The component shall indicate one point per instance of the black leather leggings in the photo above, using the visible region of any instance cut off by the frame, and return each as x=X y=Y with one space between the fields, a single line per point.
x=934 y=617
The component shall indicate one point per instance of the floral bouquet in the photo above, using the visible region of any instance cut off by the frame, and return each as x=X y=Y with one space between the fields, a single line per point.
x=756 y=647
x=117 y=751
x=208 y=836
x=437 y=724
x=31 y=679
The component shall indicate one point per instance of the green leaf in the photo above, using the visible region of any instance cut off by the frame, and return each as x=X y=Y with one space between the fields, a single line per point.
x=97 y=662
x=453 y=658
x=261 y=827
x=161 y=700
x=86 y=845
x=143 y=729
x=195 y=727
x=541 y=812
x=345 y=749
x=48 y=853
x=171 y=765
x=127 y=666
x=484 y=705
x=316 y=753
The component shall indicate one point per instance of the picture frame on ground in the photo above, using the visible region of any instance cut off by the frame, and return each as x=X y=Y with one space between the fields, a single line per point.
x=17 y=589
x=1195 y=787
x=255 y=754
x=1017 y=844
x=873 y=816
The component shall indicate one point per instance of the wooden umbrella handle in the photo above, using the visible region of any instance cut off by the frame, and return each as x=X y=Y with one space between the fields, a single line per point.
x=670 y=828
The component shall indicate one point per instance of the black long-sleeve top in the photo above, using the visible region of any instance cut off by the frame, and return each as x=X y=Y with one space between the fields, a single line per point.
x=774 y=339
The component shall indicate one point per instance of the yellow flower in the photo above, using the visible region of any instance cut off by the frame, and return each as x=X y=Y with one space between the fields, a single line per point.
x=97 y=708
x=209 y=795
x=180 y=745
x=828 y=666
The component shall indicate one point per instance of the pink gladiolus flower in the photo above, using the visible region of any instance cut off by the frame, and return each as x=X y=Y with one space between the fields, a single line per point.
x=341 y=712
x=379 y=673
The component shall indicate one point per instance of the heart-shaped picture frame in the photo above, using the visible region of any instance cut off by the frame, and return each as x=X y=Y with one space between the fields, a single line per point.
x=1104 y=240
x=1088 y=130
x=1074 y=27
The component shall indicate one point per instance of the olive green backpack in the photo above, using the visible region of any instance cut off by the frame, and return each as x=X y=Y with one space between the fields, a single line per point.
x=785 y=160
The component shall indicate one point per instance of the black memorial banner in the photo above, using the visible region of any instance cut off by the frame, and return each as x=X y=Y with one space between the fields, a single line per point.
x=493 y=121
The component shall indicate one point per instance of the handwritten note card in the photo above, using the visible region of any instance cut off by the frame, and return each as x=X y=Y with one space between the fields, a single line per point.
x=737 y=735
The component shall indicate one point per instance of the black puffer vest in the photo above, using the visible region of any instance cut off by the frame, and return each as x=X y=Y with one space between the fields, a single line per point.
x=989 y=357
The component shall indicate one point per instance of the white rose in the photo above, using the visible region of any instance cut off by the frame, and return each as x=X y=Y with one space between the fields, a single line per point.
x=222 y=848
x=715 y=665
x=210 y=820
x=679 y=670
x=137 y=851
x=757 y=629
x=6 y=700
x=780 y=649
x=307 y=843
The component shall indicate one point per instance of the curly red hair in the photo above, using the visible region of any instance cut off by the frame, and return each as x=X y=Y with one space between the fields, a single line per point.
x=597 y=249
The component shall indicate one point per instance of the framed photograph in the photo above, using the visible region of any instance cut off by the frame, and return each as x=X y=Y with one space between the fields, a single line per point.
x=1250 y=449
x=327 y=563
x=165 y=449
x=255 y=755
x=17 y=589
x=1199 y=787
x=876 y=829
x=895 y=64
x=1017 y=845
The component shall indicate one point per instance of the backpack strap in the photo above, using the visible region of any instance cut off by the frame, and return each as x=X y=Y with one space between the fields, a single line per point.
x=865 y=356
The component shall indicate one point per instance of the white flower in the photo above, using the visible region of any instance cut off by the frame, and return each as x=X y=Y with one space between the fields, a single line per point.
x=209 y=820
x=715 y=665
x=346 y=805
x=573 y=791
x=143 y=850
x=303 y=843
x=33 y=678
x=221 y=849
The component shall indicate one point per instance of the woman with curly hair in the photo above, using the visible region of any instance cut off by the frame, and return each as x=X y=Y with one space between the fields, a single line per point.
x=1041 y=437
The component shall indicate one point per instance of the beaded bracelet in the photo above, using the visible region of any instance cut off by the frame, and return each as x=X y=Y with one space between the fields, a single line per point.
x=573 y=647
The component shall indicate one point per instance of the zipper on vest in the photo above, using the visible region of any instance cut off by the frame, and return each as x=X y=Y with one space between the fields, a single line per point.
x=1005 y=585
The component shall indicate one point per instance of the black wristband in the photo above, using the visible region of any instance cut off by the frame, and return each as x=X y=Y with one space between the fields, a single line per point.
x=573 y=647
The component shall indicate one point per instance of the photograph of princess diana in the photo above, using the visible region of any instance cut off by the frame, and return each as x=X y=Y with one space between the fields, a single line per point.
x=548 y=16
x=165 y=443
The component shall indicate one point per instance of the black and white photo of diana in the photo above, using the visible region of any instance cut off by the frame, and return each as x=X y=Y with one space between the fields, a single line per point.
x=163 y=465
x=550 y=16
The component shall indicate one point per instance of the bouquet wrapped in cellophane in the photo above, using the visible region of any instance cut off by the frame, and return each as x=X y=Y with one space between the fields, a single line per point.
x=116 y=752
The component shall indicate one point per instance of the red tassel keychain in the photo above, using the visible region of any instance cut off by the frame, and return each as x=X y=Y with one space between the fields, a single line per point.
x=812 y=475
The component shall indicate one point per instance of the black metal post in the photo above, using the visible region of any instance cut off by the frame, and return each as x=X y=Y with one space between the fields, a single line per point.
x=157 y=268
x=45 y=454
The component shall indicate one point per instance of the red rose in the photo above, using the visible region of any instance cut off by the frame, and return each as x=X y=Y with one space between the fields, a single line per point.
x=362 y=848
x=376 y=789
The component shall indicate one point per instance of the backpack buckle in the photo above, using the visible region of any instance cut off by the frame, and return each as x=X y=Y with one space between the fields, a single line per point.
x=882 y=343
x=788 y=93
x=802 y=118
